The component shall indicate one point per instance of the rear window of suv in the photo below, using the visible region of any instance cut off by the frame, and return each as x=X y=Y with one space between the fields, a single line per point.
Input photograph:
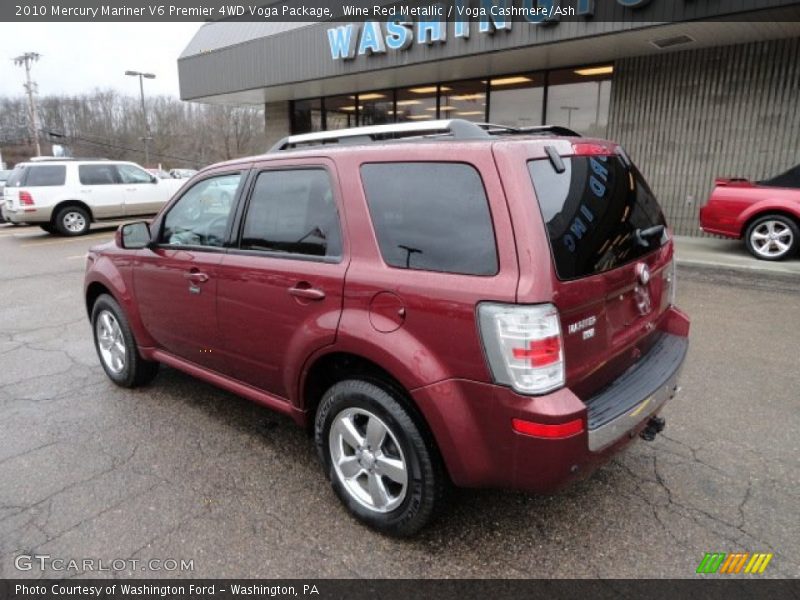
x=431 y=216
x=38 y=176
x=595 y=212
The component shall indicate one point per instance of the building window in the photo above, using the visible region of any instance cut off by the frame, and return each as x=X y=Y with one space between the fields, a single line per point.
x=340 y=112
x=376 y=108
x=579 y=99
x=416 y=103
x=463 y=100
x=517 y=100
x=307 y=115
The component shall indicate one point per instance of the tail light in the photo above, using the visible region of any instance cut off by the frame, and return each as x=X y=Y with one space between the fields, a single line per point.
x=523 y=346
x=25 y=199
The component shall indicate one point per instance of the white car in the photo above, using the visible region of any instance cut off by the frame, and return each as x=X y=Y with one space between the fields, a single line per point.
x=66 y=196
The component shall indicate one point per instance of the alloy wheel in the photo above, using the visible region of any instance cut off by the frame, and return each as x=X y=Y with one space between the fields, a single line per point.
x=110 y=342
x=772 y=239
x=368 y=460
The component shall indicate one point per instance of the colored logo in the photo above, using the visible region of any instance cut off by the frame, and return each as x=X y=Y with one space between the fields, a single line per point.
x=738 y=562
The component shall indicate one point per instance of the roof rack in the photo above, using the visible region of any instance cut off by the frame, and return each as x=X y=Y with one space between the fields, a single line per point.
x=458 y=129
x=60 y=158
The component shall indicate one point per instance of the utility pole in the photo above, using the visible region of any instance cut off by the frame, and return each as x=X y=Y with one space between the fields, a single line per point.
x=146 y=138
x=30 y=86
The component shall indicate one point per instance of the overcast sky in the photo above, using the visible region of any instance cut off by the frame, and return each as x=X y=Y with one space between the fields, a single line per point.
x=78 y=57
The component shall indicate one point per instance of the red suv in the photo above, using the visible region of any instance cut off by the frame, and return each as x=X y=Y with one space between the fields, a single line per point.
x=440 y=303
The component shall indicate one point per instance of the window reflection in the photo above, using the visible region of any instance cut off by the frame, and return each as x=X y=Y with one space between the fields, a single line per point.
x=417 y=103
x=463 y=100
x=376 y=108
x=307 y=115
x=579 y=99
x=340 y=112
x=517 y=101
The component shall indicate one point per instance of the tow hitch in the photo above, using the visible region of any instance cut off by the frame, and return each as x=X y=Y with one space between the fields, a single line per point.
x=654 y=426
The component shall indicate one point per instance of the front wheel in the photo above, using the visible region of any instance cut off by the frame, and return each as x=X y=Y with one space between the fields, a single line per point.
x=379 y=462
x=116 y=347
x=72 y=220
x=772 y=237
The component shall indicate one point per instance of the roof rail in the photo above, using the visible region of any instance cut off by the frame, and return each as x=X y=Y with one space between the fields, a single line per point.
x=459 y=129
x=60 y=158
x=493 y=129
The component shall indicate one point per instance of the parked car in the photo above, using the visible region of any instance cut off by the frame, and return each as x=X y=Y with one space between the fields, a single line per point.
x=160 y=173
x=182 y=173
x=67 y=195
x=3 y=177
x=488 y=308
x=765 y=213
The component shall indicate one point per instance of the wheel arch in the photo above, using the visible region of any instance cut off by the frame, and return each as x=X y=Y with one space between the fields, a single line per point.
x=763 y=211
x=72 y=202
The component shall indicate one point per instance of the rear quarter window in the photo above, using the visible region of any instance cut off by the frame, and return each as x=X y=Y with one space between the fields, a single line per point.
x=45 y=175
x=431 y=216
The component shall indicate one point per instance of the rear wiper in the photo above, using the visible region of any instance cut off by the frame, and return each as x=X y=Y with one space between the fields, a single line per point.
x=641 y=235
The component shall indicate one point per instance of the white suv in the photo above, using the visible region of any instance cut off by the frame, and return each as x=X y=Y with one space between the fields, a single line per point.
x=67 y=195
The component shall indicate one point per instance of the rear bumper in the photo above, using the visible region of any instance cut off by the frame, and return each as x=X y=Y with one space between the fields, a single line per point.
x=28 y=214
x=471 y=422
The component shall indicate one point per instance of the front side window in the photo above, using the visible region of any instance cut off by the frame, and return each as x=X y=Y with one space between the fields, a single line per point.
x=131 y=174
x=293 y=212
x=46 y=175
x=102 y=174
x=431 y=216
x=200 y=217
x=596 y=213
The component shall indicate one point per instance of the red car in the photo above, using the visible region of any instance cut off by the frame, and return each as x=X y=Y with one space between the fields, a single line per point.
x=476 y=306
x=765 y=213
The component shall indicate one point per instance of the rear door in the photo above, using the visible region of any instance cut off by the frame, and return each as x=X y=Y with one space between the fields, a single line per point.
x=609 y=257
x=101 y=188
x=280 y=289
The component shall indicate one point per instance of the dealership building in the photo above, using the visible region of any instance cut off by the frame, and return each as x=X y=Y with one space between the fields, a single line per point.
x=694 y=90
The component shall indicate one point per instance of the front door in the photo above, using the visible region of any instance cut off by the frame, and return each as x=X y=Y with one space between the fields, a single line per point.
x=176 y=281
x=280 y=291
x=143 y=195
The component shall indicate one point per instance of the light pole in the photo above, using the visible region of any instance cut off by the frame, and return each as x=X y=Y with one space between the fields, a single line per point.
x=146 y=138
x=569 y=110
x=30 y=87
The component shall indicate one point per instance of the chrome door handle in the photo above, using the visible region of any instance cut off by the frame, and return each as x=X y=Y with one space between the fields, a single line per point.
x=197 y=277
x=309 y=293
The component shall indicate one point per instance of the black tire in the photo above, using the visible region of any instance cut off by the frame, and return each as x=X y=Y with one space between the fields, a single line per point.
x=73 y=220
x=787 y=234
x=426 y=480
x=135 y=371
x=48 y=228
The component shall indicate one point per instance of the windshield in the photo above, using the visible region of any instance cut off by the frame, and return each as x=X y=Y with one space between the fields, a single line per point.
x=600 y=213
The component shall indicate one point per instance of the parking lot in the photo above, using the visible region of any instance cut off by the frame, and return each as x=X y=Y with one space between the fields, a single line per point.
x=180 y=470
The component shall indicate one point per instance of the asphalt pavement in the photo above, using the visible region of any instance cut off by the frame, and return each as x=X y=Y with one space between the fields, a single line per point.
x=180 y=470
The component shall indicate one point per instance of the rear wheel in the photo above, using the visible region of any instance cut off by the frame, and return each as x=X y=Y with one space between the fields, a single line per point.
x=72 y=220
x=116 y=347
x=48 y=228
x=772 y=237
x=378 y=461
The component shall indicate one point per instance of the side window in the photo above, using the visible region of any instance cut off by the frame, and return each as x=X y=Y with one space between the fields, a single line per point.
x=100 y=174
x=200 y=217
x=293 y=211
x=131 y=174
x=431 y=216
x=46 y=175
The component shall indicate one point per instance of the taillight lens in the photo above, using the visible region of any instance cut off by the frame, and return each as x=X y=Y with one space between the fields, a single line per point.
x=523 y=346
x=25 y=199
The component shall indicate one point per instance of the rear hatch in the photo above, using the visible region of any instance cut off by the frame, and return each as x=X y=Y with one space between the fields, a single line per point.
x=11 y=190
x=612 y=262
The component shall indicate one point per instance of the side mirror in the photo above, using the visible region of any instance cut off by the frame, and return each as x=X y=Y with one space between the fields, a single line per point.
x=153 y=179
x=133 y=236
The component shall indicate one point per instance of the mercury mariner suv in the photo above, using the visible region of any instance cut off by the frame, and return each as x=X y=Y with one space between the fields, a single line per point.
x=438 y=303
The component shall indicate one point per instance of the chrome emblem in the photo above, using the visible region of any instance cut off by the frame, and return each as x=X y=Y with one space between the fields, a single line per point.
x=643 y=273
